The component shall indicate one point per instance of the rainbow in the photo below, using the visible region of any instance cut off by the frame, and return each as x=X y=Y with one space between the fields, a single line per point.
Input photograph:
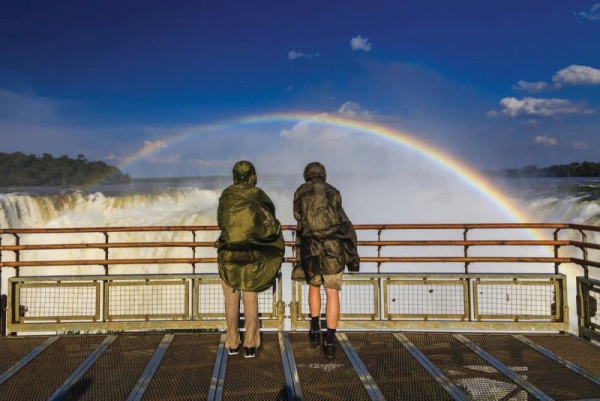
x=437 y=156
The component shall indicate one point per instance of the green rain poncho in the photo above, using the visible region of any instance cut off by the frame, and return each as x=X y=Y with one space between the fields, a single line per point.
x=250 y=247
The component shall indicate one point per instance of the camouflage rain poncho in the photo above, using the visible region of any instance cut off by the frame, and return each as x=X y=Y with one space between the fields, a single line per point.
x=326 y=235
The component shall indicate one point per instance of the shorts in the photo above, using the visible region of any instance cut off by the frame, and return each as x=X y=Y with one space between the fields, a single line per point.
x=333 y=281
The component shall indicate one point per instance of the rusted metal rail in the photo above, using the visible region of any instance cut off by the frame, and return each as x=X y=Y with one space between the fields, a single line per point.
x=380 y=246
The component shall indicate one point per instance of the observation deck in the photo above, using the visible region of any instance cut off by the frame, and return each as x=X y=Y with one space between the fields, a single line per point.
x=450 y=311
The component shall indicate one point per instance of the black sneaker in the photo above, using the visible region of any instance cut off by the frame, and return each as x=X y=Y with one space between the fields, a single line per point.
x=234 y=351
x=250 y=352
x=329 y=351
x=314 y=337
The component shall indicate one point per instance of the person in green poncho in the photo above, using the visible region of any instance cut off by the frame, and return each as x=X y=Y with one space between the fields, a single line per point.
x=327 y=244
x=250 y=252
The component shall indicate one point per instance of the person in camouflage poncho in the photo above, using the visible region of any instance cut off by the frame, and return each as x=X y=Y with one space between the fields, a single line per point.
x=250 y=252
x=327 y=244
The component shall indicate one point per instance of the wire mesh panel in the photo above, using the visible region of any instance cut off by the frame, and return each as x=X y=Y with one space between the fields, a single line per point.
x=423 y=298
x=40 y=378
x=147 y=299
x=186 y=370
x=517 y=299
x=397 y=373
x=56 y=301
x=211 y=301
x=472 y=374
x=323 y=379
x=588 y=294
x=259 y=378
x=117 y=370
x=554 y=379
x=359 y=299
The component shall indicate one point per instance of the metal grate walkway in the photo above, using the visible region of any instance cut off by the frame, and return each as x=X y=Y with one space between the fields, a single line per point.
x=368 y=366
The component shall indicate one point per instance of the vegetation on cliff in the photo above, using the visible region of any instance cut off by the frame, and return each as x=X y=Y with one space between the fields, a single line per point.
x=585 y=169
x=19 y=169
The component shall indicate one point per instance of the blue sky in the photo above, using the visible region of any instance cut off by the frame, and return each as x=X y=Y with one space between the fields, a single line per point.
x=497 y=85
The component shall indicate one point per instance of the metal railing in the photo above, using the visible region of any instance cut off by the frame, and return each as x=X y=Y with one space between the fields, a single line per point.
x=462 y=262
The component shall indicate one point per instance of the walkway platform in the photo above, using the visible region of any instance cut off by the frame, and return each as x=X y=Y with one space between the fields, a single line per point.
x=369 y=365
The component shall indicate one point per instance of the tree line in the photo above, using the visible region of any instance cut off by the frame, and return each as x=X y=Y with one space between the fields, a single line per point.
x=585 y=169
x=19 y=169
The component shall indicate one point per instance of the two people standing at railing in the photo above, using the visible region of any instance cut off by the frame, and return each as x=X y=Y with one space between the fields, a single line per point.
x=251 y=249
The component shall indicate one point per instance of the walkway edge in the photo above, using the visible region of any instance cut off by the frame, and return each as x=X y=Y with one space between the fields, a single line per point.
x=448 y=385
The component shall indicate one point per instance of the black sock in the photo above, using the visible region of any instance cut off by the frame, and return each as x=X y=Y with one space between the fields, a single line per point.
x=315 y=324
x=330 y=336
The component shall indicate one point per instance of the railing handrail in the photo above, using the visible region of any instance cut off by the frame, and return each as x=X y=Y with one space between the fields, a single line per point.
x=71 y=230
x=379 y=244
x=210 y=244
x=367 y=259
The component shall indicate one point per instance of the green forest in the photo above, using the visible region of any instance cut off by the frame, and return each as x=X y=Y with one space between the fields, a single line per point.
x=19 y=169
x=585 y=169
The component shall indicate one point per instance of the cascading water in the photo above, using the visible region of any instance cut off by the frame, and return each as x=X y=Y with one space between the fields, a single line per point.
x=372 y=200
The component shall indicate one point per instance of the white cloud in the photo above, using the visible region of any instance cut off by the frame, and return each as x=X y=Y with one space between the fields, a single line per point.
x=152 y=147
x=571 y=75
x=360 y=43
x=110 y=157
x=530 y=106
x=353 y=109
x=577 y=75
x=293 y=55
x=593 y=14
x=544 y=140
x=580 y=145
x=538 y=86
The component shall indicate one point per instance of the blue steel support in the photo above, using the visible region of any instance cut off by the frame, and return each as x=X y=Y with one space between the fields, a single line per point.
x=502 y=368
x=80 y=371
x=360 y=368
x=138 y=391
x=566 y=363
x=215 y=391
x=433 y=370
x=28 y=358
x=294 y=379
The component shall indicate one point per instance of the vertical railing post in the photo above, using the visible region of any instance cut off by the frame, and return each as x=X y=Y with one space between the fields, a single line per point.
x=556 y=247
x=17 y=253
x=585 y=252
x=466 y=250
x=3 y=304
x=381 y=298
x=105 y=253
x=379 y=250
x=194 y=252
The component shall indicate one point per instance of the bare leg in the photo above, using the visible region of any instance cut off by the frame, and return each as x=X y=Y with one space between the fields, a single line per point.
x=332 y=309
x=314 y=300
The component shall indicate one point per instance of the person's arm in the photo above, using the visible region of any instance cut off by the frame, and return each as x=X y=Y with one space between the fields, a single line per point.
x=267 y=202
x=298 y=210
x=220 y=213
